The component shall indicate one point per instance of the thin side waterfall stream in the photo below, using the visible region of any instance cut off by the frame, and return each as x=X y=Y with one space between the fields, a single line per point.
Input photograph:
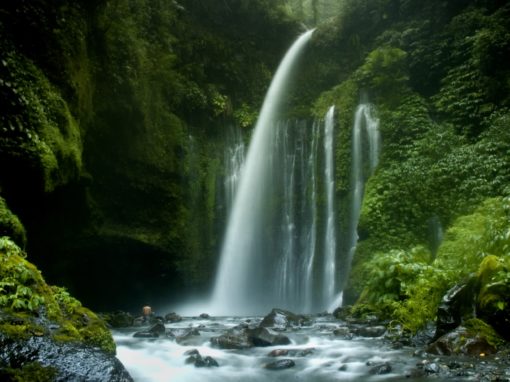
x=364 y=120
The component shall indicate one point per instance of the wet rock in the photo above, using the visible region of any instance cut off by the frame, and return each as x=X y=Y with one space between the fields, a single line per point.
x=233 y=339
x=278 y=353
x=342 y=313
x=145 y=334
x=415 y=373
x=158 y=329
x=155 y=331
x=431 y=368
x=462 y=341
x=196 y=359
x=172 y=317
x=139 y=321
x=245 y=338
x=291 y=352
x=185 y=336
x=281 y=364
x=380 y=369
x=456 y=304
x=263 y=337
x=343 y=368
x=343 y=332
x=210 y=362
x=369 y=331
x=282 y=319
x=204 y=316
x=71 y=361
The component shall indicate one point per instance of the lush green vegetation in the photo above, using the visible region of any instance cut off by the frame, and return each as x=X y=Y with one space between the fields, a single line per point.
x=407 y=285
x=25 y=298
x=434 y=74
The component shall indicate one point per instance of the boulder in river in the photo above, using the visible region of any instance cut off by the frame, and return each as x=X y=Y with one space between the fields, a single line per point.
x=195 y=358
x=291 y=352
x=243 y=338
x=280 y=319
x=59 y=361
x=155 y=331
x=232 y=339
x=172 y=317
x=457 y=304
x=473 y=338
x=380 y=368
x=263 y=337
x=184 y=336
x=281 y=364
x=369 y=331
x=119 y=319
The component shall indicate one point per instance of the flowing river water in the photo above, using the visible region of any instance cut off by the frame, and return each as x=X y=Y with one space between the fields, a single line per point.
x=318 y=354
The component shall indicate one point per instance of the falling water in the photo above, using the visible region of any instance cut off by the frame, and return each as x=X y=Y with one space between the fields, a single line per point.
x=245 y=281
x=234 y=159
x=363 y=118
x=310 y=238
x=435 y=234
x=330 y=240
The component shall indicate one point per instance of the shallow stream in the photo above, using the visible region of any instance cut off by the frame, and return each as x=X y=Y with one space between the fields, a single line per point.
x=318 y=355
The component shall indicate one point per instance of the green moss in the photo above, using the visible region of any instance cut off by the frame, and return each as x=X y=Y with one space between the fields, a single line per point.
x=80 y=323
x=32 y=371
x=46 y=131
x=480 y=328
x=407 y=285
x=24 y=295
x=11 y=226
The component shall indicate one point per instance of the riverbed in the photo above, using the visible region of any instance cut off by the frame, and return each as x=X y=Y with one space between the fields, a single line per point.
x=316 y=352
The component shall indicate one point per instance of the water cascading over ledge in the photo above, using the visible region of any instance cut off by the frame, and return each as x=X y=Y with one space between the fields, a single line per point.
x=364 y=122
x=270 y=253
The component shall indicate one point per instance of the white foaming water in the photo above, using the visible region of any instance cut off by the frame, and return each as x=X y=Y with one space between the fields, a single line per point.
x=245 y=282
x=327 y=358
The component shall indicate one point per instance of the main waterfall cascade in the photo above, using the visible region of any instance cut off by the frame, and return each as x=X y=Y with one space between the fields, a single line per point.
x=364 y=118
x=255 y=274
x=280 y=246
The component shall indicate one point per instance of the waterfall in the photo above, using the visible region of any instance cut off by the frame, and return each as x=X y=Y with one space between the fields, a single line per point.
x=363 y=118
x=246 y=281
x=234 y=159
x=435 y=234
x=330 y=240
x=310 y=238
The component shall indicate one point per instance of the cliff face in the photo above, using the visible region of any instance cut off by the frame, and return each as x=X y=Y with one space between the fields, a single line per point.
x=113 y=135
x=435 y=76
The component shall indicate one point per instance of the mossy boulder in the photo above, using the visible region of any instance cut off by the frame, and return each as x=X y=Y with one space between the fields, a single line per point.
x=45 y=320
x=493 y=300
x=473 y=338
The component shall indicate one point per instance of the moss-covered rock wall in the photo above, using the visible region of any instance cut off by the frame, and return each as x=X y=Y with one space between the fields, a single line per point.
x=434 y=74
x=113 y=137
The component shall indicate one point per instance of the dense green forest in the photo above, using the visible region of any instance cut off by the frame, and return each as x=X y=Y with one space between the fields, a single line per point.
x=115 y=116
